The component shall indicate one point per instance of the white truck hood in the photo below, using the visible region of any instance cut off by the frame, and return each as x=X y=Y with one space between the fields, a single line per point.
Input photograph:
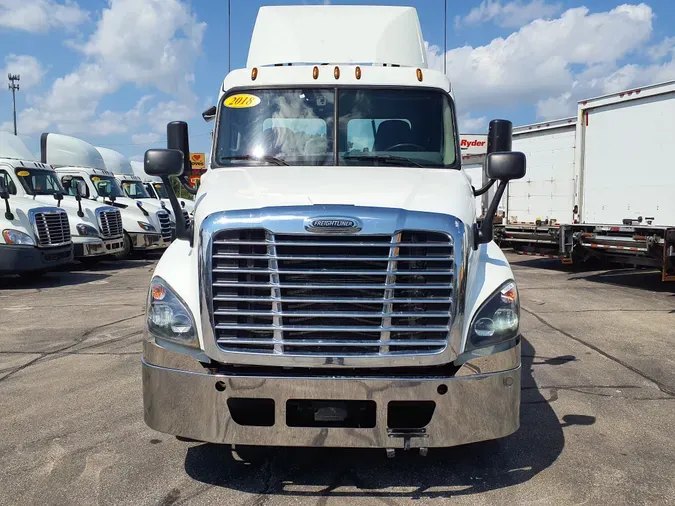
x=443 y=191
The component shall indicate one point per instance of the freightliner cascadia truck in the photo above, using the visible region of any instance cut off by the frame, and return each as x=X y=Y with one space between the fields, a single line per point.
x=334 y=288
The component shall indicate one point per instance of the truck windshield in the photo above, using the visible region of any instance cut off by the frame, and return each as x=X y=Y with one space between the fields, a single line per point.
x=135 y=189
x=160 y=190
x=107 y=186
x=404 y=126
x=39 y=181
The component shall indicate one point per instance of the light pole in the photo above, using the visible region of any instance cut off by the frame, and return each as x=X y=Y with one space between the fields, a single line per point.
x=14 y=87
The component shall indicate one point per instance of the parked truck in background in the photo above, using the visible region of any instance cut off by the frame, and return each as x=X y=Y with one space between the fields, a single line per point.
x=600 y=186
x=155 y=188
x=76 y=161
x=34 y=237
x=334 y=288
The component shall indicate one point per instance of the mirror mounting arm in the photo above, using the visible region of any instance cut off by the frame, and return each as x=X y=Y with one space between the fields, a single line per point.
x=481 y=191
x=484 y=234
x=182 y=230
x=8 y=211
x=80 y=213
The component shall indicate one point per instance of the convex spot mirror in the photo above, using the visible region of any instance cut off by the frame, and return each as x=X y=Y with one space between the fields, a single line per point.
x=506 y=166
x=163 y=162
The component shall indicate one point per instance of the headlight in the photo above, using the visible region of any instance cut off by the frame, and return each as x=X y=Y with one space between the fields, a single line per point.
x=86 y=230
x=168 y=316
x=146 y=226
x=15 y=237
x=498 y=318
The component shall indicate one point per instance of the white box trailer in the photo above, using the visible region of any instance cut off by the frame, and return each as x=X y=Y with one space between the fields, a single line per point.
x=622 y=206
x=474 y=151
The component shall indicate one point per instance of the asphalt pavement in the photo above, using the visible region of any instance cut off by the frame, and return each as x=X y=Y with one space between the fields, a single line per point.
x=597 y=416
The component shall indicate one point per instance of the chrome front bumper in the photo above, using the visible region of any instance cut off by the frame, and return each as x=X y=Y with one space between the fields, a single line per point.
x=140 y=241
x=480 y=402
x=91 y=247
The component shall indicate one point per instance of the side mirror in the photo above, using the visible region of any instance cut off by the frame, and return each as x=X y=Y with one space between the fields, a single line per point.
x=177 y=138
x=163 y=162
x=58 y=196
x=81 y=189
x=4 y=193
x=500 y=134
x=502 y=166
x=209 y=114
x=505 y=166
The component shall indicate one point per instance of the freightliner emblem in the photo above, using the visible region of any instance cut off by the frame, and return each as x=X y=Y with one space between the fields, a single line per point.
x=332 y=225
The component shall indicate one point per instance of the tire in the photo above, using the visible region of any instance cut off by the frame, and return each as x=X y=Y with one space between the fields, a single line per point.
x=126 y=251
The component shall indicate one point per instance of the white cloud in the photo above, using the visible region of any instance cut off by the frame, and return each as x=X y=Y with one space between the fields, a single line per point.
x=145 y=138
x=38 y=16
x=472 y=125
x=150 y=44
x=164 y=112
x=510 y=14
x=662 y=49
x=28 y=67
x=548 y=58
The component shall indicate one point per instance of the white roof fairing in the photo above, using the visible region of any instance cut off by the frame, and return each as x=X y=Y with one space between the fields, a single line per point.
x=63 y=151
x=115 y=161
x=337 y=34
x=11 y=146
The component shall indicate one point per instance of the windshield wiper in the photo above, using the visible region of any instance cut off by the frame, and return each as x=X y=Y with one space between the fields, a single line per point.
x=395 y=160
x=264 y=158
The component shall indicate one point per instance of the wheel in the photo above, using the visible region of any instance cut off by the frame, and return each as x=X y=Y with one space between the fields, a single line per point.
x=126 y=251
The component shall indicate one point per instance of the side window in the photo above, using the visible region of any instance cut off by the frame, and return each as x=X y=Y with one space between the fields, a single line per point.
x=70 y=185
x=9 y=184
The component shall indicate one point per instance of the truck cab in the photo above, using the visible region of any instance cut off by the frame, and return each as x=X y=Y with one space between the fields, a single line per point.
x=334 y=289
x=34 y=236
x=78 y=163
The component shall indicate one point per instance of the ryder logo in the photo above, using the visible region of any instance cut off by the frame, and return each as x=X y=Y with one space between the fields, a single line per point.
x=475 y=143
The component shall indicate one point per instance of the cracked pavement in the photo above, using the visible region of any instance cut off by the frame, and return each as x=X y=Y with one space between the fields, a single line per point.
x=597 y=424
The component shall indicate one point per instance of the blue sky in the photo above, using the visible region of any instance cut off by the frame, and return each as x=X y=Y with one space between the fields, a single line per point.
x=115 y=72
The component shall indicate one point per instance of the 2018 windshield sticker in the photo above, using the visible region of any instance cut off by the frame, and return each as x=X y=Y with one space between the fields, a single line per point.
x=241 y=101
x=95 y=178
x=23 y=173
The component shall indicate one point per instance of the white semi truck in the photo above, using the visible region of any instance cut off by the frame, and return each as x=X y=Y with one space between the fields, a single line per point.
x=79 y=163
x=155 y=188
x=334 y=289
x=34 y=237
x=597 y=185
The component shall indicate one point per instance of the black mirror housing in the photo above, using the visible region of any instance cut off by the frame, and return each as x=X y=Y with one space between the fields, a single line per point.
x=209 y=114
x=500 y=134
x=506 y=166
x=163 y=162
x=4 y=193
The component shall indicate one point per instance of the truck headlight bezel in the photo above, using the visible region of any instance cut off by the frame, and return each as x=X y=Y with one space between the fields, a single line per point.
x=168 y=316
x=498 y=318
x=146 y=227
x=86 y=230
x=17 y=237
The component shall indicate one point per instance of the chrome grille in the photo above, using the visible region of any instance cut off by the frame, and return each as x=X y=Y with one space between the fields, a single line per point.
x=186 y=217
x=166 y=228
x=110 y=222
x=332 y=295
x=51 y=227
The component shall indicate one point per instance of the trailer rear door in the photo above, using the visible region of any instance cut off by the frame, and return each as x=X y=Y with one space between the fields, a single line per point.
x=547 y=190
x=627 y=158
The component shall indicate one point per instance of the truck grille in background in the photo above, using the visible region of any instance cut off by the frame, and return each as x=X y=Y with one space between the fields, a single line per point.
x=52 y=228
x=165 y=225
x=110 y=223
x=364 y=295
x=186 y=217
